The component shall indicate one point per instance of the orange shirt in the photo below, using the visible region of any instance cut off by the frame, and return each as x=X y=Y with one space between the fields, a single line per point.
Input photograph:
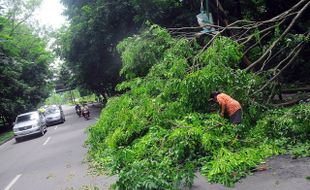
x=230 y=105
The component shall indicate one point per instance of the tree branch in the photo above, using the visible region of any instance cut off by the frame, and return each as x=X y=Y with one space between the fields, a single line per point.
x=269 y=51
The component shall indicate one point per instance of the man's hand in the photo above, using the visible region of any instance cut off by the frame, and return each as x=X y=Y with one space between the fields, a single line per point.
x=222 y=109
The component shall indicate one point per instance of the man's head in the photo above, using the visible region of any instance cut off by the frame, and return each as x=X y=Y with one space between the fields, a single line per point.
x=214 y=95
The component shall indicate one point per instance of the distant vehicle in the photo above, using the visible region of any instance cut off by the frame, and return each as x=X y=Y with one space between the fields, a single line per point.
x=29 y=124
x=85 y=112
x=78 y=112
x=54 y=115
x=42 y=109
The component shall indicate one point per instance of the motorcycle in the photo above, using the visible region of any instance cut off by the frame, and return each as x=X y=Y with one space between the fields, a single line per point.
x=86 y=114
x=79 y=112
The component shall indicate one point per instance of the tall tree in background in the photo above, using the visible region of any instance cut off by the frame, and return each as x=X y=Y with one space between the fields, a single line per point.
x=96 y=27
x=24 y=61
x=88 y=45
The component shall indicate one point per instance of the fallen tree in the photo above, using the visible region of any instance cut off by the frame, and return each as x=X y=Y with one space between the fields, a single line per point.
x=162 y=129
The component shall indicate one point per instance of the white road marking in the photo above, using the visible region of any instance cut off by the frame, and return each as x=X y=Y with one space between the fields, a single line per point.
x=13 y=182
x=46 y=141
x=56 y=127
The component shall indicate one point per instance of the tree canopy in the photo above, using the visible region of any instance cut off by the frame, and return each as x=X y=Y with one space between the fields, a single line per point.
x=25 y=61
x=88 y=45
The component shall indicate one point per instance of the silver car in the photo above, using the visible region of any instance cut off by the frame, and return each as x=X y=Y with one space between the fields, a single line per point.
x=54 y=115
x=29 y=124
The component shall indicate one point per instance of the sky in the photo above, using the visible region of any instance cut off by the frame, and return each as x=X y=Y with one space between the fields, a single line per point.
x=50 y=13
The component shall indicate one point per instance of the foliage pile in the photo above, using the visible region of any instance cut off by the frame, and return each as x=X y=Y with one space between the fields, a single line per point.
x=162 y=129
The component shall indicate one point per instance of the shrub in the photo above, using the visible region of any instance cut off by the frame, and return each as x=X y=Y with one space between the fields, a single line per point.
x=290 y=123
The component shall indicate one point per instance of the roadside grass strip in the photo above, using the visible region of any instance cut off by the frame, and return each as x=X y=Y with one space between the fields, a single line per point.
x=6 y=136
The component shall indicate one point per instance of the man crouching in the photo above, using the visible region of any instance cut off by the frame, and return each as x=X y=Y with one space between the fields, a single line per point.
x=229 y=105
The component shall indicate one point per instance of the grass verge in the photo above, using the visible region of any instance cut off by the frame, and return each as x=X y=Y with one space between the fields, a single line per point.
x=5 y=136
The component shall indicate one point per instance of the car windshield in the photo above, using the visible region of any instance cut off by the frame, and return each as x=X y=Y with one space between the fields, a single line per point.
x=28 y=117
x=52 y=111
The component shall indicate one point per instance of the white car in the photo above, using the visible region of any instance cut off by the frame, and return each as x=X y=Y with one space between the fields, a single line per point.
x=29 y=124
x=54 y=115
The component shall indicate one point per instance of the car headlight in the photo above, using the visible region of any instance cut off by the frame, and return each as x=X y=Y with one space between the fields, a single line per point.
x=15 y=130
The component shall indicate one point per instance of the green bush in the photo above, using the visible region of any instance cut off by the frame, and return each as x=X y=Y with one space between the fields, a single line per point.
x=299 y=150
x=291 y=124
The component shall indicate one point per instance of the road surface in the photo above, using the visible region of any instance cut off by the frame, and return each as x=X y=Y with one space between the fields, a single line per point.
x=284 y=173
x=52 y=162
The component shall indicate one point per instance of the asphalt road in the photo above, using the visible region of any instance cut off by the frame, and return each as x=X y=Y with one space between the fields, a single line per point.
x=283 y=173
x=56 y=162
x=52 y=162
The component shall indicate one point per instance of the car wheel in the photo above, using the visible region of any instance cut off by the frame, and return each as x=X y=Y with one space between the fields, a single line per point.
x=42 y=132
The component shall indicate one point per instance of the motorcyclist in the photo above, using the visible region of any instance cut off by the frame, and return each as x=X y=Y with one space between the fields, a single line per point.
x=78 y=109
x=85 y=110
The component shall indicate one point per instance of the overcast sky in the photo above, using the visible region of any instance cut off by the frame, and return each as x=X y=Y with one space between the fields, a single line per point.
x=50 y=13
